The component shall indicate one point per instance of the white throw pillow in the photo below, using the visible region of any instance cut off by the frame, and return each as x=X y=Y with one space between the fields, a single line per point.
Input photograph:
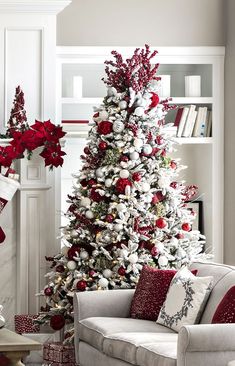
x=186 y=299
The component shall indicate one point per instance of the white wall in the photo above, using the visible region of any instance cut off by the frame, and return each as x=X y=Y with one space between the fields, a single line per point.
x=136 y=22
x=230 y=134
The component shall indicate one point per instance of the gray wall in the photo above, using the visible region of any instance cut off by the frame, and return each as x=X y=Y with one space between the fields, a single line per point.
x=165 y=23
x=136 y=22
x=230 y=134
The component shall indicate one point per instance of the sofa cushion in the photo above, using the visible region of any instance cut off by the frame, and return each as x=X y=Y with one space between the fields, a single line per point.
x=93 y=330
x=150 y=292
x=185 y=300
x=124 y=345
x=157 y=354
x=223 y=279
x=225 y=312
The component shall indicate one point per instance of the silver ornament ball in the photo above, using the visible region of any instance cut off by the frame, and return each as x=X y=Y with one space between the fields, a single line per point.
x=124 y=173
x=118 y=126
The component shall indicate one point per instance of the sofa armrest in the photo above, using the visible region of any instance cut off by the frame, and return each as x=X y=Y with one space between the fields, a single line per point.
x=206 y=344
x=114 y=303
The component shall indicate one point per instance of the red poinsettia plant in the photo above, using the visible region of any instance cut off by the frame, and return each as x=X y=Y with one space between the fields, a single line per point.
x=25 y=138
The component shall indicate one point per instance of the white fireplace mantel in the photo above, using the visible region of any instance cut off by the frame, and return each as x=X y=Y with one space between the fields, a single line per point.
x=32 y=219
x=33 y=6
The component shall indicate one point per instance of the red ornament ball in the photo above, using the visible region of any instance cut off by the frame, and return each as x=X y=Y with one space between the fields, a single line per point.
x=91 y=182
x=83 y=182
x=48 y=291
x=72 y=251
x=86 y=150
x=105 y=127
x=154 y=100
x=109 y=218
x=154 y=251
x=81 y=285
x=92 y=273
x=121 y=184
x=103 y=145
x=95 y=196
x=186 y=226
x=60 y=268
x=161 y=223
x=57 y=322
x=136 y=177
x=124 y=158
x=121 y=271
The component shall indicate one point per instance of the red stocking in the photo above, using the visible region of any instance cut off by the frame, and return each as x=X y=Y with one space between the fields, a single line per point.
x=8 y=187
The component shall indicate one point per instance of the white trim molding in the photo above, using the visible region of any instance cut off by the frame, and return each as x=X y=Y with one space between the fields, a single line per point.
x=33 y=6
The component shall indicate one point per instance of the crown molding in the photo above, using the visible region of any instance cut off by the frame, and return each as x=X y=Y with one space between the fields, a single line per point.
x=33 y=6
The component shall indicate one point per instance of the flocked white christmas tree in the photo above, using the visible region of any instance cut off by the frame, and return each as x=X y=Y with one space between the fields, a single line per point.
x=127 y=209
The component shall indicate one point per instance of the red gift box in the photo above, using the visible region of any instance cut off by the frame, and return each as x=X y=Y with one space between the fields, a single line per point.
x=25 y=324
x=59 y=354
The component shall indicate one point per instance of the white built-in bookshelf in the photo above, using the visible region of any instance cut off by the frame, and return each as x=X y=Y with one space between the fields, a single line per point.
x=204 y=156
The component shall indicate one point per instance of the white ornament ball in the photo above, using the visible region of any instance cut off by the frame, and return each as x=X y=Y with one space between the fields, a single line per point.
x=162 y=261
x=138 y=143
x=107 y=273
x=74 y=234
x=139 y=111
x=99 y=172
x=124 y=173
x=145 y=186
x=71 y=265
x=85 y=202
x=122 y=104
x=89 y=214
x=121 y=207
x=147 y=149
x=95 y=252
x=103 y=282
x=108 y=182
x=118 y=227
x=84 y=254
x=134 y=155
x=103 y=115
x=133 y=258
x=118 y=126
x=139 y=102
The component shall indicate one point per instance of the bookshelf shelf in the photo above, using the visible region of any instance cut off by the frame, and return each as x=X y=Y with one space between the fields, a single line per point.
x=81 y=100
x=194 y=140
x=187 y=100
x=203 y=155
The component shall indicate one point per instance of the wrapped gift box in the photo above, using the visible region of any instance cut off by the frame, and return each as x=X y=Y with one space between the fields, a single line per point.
x=25 y=324
x=58 y=354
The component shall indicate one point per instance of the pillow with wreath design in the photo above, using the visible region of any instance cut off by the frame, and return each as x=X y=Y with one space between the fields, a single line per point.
x=185 y=300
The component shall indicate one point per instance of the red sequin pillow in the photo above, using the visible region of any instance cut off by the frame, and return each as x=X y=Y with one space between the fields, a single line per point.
x=151 y=292
x=225 y=312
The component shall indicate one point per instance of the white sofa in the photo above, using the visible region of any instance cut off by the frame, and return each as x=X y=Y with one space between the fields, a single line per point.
x=105 y=335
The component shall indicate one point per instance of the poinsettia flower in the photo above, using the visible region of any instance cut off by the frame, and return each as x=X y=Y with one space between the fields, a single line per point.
x=7 y=155
x=48 y=130
x=53 y=155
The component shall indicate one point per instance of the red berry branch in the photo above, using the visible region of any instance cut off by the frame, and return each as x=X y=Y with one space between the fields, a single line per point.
x=136 y=72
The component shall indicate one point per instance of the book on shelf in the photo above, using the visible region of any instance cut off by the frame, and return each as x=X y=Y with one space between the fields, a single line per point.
x=209 y=124
x=200 y=124
x=190 y=121
x=182 y=121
